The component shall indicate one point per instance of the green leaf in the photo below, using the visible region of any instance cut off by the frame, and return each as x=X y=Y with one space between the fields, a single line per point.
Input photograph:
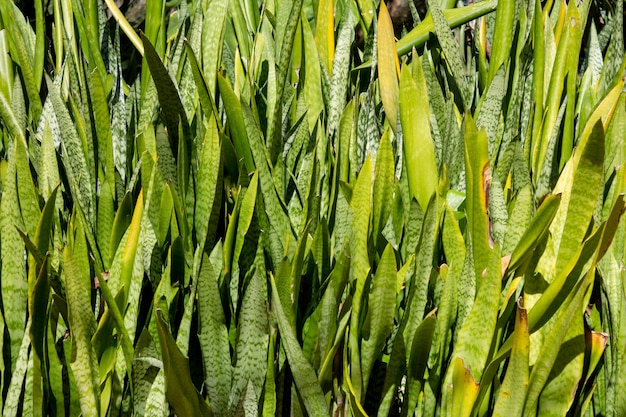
x=356 y=407
x=367 y=9
x=28 y=64
x=579 y=197
x=252 y=339
x=539 y=67
x=552 y=345
x=112 y=313
x=451 y=52
x=393 y=377
x=360 y=266
x=212 y=42
x=380 y=315
x=82 y=327
x=165 y=215
x=418 y=359
x=73 y=154
x=208 y=185
x=44 y=225
x=246 y=215
x=329 y=332
x=383 y=187
x=133 y=265
x=536 y=231
x=455 y=17
x=121 y=222
x=453 y=243
x=14 y=290
x=12 y=400
x=270 y=391
x=491 y=110
x=367 y=134
x=247 y=406
x=129 y=251
x=446 y=315
x=322 y=330
x=275 y=208
x=55 y=370
x=101 y=119
x=293 y=276
x=502 y=37
x=575 y=28
x=181 y=393
x=105 y=221
x=340 y=74
x=614 y=54
x=304 y=376
x=478 y=181
x=274 y=131
x=419 y=150
x=10 y=119
x=472 y=351
x=206 y=98
x=29 y=200
x=553 y=297
x=388 y=66
x=558 y=395
x=119 y=110
x=156 y=403
x=39 y=298
x=498 y=213
x=312 y=81
x=420 y=279
x=521 y=208
x=173 y=110
x=561 y=72
x=512 y=393
x=49 y=169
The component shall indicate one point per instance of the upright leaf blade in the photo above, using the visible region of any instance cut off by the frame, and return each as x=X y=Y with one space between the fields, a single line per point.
x=388 y=66
x=252 y=339
x=451 y=51
x=303 y=373
x=82 y=327
x=419 y=150
x=173 y=110
x=208 y=186
x=512 y=395
x=14 y=290
x=478 y=179
x=475 y=351
x=381 y=297
x=181 y=393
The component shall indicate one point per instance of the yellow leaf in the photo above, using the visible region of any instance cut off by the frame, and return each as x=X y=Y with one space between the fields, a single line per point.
x=388 y=66
x=325 y=33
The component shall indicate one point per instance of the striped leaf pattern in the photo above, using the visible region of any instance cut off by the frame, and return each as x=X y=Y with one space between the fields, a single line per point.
x=312 y=208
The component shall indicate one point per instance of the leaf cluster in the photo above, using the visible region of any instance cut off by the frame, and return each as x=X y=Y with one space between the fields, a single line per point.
x=278 y=208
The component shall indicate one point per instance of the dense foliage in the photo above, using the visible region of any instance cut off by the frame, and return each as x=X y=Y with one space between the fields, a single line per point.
x=277 y=208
